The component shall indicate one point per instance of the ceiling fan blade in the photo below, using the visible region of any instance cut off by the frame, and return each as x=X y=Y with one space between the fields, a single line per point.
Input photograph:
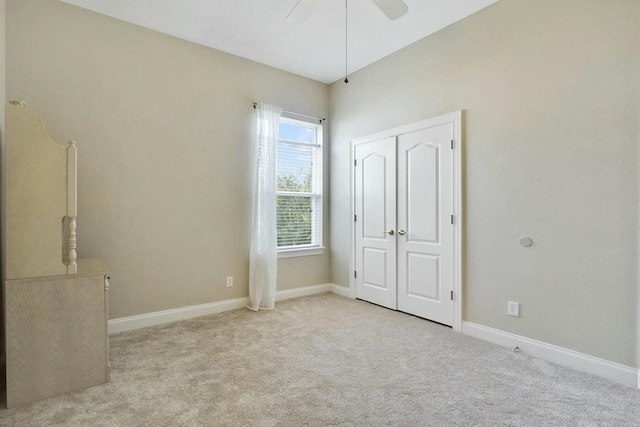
x=394 y=9
x=301 y=11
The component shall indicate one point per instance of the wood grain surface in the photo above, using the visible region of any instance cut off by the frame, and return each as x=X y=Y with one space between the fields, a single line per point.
x=36 y=196
x=56 y=336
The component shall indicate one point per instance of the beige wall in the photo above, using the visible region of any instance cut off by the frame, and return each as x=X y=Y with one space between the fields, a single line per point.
x=3 y=101
x=164 y=139
x=3 y=93
x=550 y=93
x=637 y=13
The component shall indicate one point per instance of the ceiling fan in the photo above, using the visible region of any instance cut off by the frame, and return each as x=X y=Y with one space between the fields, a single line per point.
x=393 y=9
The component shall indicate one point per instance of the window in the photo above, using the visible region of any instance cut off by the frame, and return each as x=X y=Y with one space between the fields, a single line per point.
x=299 y=181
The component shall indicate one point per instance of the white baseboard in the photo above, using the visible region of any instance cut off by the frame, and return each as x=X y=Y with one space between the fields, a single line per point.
x=582 y=362
x=302 y=292
x=342 y=291
x=167 y=316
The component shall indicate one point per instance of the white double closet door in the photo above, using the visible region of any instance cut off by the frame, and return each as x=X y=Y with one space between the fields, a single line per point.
x=404 y=196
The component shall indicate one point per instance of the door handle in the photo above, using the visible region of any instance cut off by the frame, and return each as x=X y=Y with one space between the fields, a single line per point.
x=401 y=232
x=390 y=232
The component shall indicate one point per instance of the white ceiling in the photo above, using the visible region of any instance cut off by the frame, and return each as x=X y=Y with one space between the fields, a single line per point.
x=257 y=29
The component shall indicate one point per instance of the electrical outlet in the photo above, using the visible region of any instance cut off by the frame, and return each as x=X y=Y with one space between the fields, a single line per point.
x=229 y=281
x=513 y=309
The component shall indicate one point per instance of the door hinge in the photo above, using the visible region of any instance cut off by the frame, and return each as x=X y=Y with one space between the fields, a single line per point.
x=451 y=295
x=355 y=162
x=452 y=144
x=355 y=274
x=355 y=218
x=452 y=219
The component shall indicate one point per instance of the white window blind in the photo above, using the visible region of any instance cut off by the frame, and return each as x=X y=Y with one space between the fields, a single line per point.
x=299 y=185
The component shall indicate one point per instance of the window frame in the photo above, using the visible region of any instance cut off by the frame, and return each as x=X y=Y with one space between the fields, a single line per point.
x=317 y=198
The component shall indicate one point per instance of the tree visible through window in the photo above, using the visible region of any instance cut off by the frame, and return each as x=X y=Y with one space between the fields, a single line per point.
x=299 y=181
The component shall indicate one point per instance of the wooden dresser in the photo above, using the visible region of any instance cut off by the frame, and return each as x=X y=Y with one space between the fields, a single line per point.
x=55 y=305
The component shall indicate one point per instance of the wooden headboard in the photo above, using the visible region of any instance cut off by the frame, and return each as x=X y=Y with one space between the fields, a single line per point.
x=41 y=198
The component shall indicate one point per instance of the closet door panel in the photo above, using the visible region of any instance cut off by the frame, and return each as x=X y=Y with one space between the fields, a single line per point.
x=425 y=204
x=422 y=192
x=375 y=210
x=423 y=276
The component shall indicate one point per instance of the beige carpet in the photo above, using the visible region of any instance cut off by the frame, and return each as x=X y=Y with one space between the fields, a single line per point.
x=327 y=360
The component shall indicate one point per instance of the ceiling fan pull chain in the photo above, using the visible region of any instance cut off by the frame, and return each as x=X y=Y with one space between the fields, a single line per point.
x=346 y=41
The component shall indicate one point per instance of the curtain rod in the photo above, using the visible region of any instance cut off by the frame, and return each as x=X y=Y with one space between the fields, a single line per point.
x=320 y=119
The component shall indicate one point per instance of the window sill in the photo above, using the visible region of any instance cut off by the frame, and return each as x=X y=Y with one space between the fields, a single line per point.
x=298 y=252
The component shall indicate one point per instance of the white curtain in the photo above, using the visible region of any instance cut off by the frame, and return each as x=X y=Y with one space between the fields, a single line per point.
x=263 y=259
